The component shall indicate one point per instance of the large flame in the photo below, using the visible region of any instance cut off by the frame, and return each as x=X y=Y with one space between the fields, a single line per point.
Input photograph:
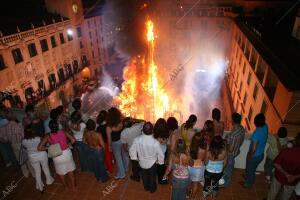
x=143 y=95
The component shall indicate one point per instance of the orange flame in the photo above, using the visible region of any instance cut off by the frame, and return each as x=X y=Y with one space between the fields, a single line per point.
x=143 y=95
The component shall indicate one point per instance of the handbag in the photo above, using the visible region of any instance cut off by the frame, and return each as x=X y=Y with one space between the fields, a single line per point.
x=54 y=150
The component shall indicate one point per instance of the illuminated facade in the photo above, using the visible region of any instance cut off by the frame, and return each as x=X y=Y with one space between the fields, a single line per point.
x=45 y=63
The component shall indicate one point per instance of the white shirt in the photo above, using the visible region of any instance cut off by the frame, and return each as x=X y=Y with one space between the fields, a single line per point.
x=79 y=134
x=147 y=151
x=129 y=134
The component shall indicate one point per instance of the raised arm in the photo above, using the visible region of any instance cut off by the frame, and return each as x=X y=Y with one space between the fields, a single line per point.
x=42 y=144
x=70 y=137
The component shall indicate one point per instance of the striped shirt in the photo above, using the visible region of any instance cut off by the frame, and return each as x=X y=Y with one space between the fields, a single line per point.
x=236 y=138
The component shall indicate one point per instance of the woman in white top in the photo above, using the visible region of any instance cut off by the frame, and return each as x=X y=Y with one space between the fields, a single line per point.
x=37 y=158
x=77 y=127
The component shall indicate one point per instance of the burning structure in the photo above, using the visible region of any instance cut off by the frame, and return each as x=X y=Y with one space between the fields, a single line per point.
x=143 y=94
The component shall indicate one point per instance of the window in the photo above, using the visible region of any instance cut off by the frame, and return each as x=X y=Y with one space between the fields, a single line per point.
x=245 y=98
x=70 y=37
x=255 y=91
x=96 y=32
x=249 y=78
x=32 y=49
x=260 y=71
x=91 y=44
x=93 y=55
x=99 y=52
x=271 y=84
x=17 y=55
x=53 y=41
x=263 y=108
x=250 y=114
x=97 y=41
x=2 y=64
x=81 y=45
x=79 y=34
x=253 y=58
x=90 y=35
x=244 y=67
x=44 y=45
x=61 y=37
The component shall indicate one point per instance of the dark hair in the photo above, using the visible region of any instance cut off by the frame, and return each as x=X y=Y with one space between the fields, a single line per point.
x=60 y=109
x=217 y=145
x=282 y=132
x=54 y=114
x=76 y=104
x=127 y=122
x=101 y=116
x=260 y=120
x=148 y=128
x=29 y=132
x=113 y=117
x=190 y=122
x=75 y=117
x=209 y=127
x=90 y=125
x=197 y=142
x=160 y=129
x=29 y=108
x=236 y=118
x=172 y=123
x=53 y=125
x=297 y=140
x=216 y=114
x=180 y=146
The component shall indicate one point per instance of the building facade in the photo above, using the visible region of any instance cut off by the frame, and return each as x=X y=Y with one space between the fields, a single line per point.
x=48 y=63
x=255 y=86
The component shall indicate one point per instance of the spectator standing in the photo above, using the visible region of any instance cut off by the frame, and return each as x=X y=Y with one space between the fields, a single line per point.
x=180 y=161
x=276 y=144
x=77 y=127
x=256 y=150
x=64 y=164
x=218 y=124
x=161 y=133
x=287 y=172
x=101 y=121
x=96 y=151
x=215 y=161
x=132 y=129
x=147 y=151
x=173 y=132
x=13 y=134
x=235 y=140
x=113 y=131
x=37 y=158
x=198 y=154
x=187 y=129
x=33 y=118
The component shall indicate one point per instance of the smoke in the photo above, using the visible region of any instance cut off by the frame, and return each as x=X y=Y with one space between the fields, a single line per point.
x=124 y=21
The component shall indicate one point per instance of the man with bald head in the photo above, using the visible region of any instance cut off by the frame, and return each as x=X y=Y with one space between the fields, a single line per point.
x=146 y=149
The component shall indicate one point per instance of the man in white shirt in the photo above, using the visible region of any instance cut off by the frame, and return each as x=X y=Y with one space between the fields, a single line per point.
x=132 y=129
x=147 y=151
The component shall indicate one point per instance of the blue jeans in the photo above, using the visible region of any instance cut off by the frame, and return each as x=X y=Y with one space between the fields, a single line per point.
x=228 y=170
x=251 y=165
x=97 y=157
x=122 y=159
x=179 y=188
x=7 y=154
x=80 y=146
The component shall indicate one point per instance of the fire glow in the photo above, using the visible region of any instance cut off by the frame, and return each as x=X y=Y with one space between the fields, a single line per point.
x=143 y=95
